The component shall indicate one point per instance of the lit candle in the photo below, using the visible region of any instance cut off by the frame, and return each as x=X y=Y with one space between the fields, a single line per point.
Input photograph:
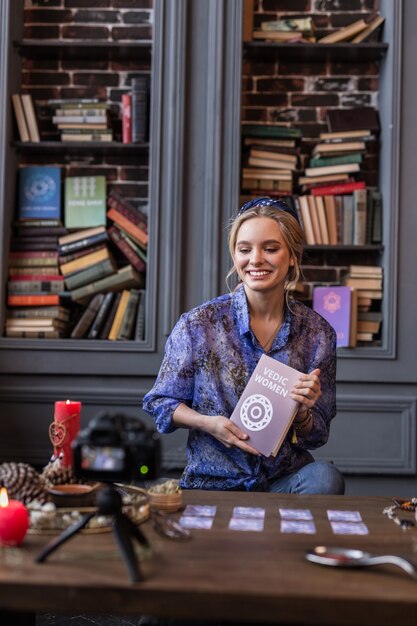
x=14 y=520
x=65 y=428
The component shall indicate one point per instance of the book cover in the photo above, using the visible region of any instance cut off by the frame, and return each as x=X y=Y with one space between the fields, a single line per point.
x=265 y=410
x=39 y=194
x=85 y=201
x=336 y=305
x=81 y=244
x=81 y=263
x=346 y=33
x=90 y=274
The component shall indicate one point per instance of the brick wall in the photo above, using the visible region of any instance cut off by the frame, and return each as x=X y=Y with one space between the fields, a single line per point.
x=298 y=93
x=77 y=20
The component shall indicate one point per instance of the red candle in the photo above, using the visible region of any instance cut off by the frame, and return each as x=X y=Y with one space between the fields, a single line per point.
x=65 y=428
x=14 y=520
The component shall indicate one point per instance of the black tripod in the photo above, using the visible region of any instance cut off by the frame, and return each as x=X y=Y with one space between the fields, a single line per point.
x=109 y=502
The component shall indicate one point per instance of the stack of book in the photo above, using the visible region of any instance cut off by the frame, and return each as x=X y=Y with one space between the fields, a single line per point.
x=288 y=30
x=84 y=257
x=367 y=280
x=35 y=287
x=271 y=159
x=82 y=120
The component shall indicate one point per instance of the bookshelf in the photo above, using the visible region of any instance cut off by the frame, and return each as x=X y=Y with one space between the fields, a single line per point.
x=123 y=164
x=276 y=70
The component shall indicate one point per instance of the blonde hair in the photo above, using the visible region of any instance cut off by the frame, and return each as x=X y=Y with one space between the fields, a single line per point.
x=292 y=234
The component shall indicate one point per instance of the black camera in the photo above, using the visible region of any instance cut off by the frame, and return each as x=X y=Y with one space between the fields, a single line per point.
x=116 y=447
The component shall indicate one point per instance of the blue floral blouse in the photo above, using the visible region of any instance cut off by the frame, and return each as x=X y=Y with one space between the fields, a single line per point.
x=209 y=357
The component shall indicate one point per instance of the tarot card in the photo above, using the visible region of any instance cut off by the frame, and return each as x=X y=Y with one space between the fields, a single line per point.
x=349 y=528
x=249 y=512
x=296 y=514
x=344 y=516
x=196 y=522
x=240 y=523
x=296 y=526
x=200 y=510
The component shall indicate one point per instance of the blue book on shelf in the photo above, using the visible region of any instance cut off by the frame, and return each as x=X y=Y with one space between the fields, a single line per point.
x=39 y=193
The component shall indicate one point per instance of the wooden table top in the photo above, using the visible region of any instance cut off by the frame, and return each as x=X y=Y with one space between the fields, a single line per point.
x=225 y=574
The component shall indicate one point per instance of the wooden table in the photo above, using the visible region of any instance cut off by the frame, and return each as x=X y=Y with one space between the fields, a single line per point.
x=261 y=577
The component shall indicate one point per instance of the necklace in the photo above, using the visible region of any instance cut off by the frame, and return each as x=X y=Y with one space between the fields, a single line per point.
x=266 y=343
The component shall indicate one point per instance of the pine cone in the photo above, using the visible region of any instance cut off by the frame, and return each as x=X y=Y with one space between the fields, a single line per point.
x=56 y=474
x=23 y=483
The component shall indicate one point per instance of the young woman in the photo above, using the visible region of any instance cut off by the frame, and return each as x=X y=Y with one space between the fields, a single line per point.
x=214 y=348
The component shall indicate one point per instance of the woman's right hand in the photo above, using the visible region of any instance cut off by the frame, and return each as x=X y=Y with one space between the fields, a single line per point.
x=225 y=431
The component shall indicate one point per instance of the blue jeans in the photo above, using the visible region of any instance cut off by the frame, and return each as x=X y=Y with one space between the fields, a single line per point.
x=319 y=477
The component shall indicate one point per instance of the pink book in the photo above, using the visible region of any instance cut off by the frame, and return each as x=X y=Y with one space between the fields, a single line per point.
x=266 y=410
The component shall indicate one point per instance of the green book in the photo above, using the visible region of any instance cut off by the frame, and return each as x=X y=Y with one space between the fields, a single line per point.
x=339 y=160
x=85 y=201
x=266 y=130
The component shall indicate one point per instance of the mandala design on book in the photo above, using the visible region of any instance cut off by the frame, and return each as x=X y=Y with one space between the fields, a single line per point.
x=256 y=412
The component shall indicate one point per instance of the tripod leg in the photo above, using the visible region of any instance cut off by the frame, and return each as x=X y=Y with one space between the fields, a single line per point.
x=63 y=537
x=123 y=534
x=136 y=532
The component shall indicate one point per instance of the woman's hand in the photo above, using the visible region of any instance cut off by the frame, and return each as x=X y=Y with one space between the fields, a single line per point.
x=307 y=391
x=225 y=431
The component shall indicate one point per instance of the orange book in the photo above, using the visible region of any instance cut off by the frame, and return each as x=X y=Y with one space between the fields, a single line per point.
x=35 y=300
x=134 y=231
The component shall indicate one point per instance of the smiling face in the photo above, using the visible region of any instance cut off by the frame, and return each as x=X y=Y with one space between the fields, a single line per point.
x=261 y=256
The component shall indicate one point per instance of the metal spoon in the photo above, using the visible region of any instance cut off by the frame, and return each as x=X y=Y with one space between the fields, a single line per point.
x=344 y=557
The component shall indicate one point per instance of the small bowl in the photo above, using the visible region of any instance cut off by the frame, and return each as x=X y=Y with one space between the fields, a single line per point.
x=69 y=495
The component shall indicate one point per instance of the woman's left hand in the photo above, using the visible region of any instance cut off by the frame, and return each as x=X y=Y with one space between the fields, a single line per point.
x=307 y=391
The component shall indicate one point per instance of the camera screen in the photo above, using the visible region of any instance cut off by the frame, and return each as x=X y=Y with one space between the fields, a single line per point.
x=102 y=458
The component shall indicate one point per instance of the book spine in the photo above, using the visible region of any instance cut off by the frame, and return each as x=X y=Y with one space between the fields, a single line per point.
x=343 y=188
x=134 y=231
x=127 y=118
x=39 y=312
x=30 y=115
x=90 y=274
x=359 y=217
x=101 y=316
x=129 y=318
x=35 y=286
x=74 y=246
x=32 y=300
x=20 y=118
x=72 y=256
x=139 y=109
x=83 y=325
x=126 y=250
x=108 y=322
x=140 y=317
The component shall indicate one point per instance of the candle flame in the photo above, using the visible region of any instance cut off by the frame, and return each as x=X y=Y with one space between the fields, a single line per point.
x=4 y=500
x=68 y=402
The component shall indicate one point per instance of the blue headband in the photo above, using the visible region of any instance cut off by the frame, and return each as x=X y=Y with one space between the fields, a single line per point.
x=265 y=201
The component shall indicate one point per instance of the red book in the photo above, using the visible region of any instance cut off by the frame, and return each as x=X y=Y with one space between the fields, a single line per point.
x=43 y=277
x=30 y=254
x=340 y=189
x=127 y=118
x=132 y=229
x=35 y=300
x=266 y=410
